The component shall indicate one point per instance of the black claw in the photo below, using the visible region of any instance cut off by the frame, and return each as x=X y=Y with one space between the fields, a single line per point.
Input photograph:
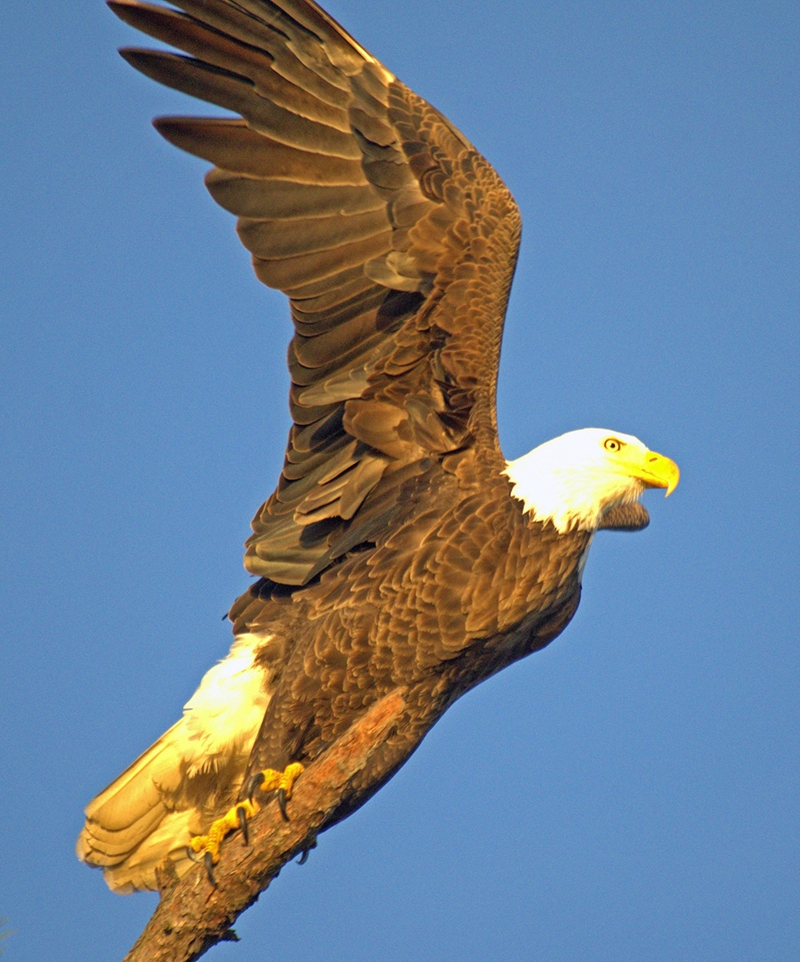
x=243 y=824
x=255 y=782
x=304 y=856
x=282 y=803
x=209 y=864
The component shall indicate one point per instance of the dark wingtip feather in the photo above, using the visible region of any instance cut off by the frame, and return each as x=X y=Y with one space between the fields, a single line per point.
x=126 y=10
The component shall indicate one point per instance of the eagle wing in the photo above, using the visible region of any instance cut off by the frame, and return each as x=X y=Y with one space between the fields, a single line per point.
x=394 y=239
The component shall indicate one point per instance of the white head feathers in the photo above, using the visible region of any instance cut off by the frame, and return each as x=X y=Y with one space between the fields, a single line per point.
x=576 y=478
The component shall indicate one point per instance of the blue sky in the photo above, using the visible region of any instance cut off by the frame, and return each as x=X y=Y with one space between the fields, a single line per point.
x=632 y=793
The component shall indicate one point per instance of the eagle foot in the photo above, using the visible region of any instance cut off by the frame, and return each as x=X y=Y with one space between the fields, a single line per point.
x=207 y=846
x=269 y=780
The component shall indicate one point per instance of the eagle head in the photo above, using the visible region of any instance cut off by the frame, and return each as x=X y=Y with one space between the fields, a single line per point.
x=577 y=478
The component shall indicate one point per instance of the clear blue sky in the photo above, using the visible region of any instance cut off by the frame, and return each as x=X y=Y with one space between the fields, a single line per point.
x=632 y=794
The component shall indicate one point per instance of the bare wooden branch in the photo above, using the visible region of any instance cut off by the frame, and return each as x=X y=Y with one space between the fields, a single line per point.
x=193 y=915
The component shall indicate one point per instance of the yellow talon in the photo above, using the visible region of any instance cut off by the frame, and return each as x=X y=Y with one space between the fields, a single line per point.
x=221 y=827
x=231 y=820
x=269 y=780
x=283 y=781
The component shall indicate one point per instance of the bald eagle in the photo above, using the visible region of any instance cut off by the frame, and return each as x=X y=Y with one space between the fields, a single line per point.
x=400 y=551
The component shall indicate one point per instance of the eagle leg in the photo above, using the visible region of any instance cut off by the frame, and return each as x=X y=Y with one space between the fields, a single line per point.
x=236 y=817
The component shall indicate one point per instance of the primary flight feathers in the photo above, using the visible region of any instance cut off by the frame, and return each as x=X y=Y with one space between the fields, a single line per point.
x=399 y=549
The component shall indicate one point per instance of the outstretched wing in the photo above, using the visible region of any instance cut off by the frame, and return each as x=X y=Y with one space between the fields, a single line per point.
x=393 y=238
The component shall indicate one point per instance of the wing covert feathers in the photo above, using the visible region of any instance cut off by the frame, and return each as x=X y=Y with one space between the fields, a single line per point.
x=393 y=238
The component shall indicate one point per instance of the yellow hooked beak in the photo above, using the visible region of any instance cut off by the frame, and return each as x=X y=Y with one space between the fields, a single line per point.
x=656 y=471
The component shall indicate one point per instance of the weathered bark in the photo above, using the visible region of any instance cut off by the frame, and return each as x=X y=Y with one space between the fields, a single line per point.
x=193 y=915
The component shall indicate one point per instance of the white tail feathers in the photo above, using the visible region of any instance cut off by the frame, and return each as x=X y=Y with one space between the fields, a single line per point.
x=185 y=780
x=129 y=827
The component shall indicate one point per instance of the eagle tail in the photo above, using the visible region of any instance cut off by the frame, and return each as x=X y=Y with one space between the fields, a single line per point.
x=129 y=828
x=185 y=780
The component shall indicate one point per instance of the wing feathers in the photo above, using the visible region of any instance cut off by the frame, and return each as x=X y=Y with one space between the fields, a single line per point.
x=394 y=240
x=307 y=268
x=235 y=147
x=317 y=315
x=289 y=237
x=270 y=198
x=330 y=287
x=349 y=340
x=238 y=94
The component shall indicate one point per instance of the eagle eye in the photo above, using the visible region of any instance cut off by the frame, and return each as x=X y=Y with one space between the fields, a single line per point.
x=612 y=444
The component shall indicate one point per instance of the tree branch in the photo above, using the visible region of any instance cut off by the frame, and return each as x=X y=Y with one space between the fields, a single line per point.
x=192 y=915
